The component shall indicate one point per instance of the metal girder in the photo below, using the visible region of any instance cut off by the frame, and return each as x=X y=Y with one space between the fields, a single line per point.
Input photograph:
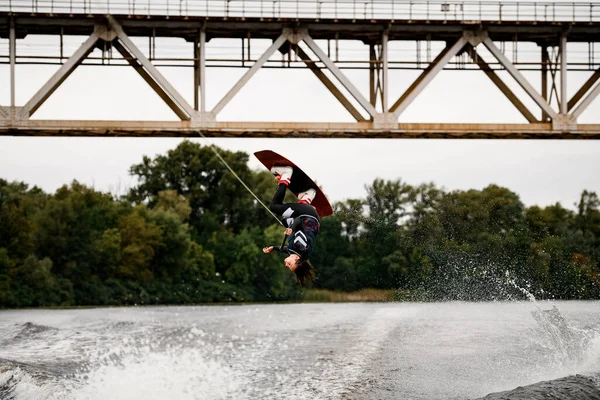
x=12 y=48
x=584 y=89
x=501 y=85
x=563 y=74
x=59 y=76
x=196 y=72
x=514 y=72
x=427 y=76
x=372 y=88
x=153 y=84
x=237 y=129
x=586 y=102
x=200 y=71
x=339 y=75
x=150 y=68
x=384 y=66
x=250 y=73
x=544 y=68
x=330 y=85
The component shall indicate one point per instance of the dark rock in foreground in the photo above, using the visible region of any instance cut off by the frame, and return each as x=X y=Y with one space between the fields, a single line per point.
x=575 y=387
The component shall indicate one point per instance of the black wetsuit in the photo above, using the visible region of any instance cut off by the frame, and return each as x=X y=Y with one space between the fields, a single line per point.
x=304 y=221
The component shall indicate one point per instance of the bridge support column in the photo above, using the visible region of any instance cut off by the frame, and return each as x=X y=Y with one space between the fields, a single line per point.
x=12 y=48
x=372 y=87
x=563 y=121
x=200 y=71
x=563 y=74
x=544 y=67
x=384 y=66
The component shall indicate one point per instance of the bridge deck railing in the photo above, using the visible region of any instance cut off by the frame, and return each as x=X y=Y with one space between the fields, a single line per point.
x=436 y=10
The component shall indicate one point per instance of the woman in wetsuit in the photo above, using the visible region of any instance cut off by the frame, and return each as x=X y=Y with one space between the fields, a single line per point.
x=302 y=221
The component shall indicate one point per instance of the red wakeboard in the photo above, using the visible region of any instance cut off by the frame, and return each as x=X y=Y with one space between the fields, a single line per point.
x=299 y=183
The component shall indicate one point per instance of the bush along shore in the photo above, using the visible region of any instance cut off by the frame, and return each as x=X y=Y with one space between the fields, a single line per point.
x=188 y=232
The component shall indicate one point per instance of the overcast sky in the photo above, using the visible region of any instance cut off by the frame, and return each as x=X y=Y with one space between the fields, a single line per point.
x=541 y=172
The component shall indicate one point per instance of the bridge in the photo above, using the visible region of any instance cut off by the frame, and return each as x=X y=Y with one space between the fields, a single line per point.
x=311 y=34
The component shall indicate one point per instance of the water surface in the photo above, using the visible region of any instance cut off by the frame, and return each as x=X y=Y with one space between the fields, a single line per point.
x=303 y=351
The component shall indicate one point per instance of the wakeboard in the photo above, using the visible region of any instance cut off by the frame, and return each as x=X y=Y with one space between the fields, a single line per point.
x=299 y=183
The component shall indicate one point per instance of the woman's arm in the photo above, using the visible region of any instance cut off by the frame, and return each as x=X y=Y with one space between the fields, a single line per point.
x=281 y=249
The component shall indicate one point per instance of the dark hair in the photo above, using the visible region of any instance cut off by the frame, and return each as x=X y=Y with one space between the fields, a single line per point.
x=305 y=272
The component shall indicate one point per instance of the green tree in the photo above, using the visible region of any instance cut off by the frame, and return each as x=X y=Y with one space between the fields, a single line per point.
x=170 y=200
x=175 y=259
x=387 y=202
x=18 y=205
x=34 y=284
x=215 y=196
x=586 y=238
x=6 y=265
x=332 y=244
x=140 y=238
x=69 y=225
x=351 y=216
x=552 y=220
x=108 y=252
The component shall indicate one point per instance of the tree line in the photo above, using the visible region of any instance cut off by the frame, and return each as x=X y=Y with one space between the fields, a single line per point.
x=188 y=232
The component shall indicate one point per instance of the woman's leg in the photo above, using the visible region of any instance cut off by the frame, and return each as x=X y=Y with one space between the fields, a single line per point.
x=277 y=205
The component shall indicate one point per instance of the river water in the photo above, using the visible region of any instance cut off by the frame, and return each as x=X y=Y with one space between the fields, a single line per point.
x=300 y=351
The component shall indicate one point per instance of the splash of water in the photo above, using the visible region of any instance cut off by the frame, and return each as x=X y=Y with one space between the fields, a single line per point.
x=512 y=282
x=22 y=381
x=178 y=374
x=568 y=347
x=156 y=368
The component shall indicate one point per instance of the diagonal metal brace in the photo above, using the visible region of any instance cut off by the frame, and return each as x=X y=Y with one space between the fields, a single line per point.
x=521 y=80
x=151 y=70
x=510 y=95
x=330 y=85
x=250 y=73
x=585 y=102
x=584 y=89
x=427 y=76
x=340 y=76
x=59 y=76
x=153 y=84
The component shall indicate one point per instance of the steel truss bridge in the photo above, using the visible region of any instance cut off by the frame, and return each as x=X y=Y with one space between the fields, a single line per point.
x=308 y=34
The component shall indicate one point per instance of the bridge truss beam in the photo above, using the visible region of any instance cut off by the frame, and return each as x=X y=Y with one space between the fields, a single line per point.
x=380 y=121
